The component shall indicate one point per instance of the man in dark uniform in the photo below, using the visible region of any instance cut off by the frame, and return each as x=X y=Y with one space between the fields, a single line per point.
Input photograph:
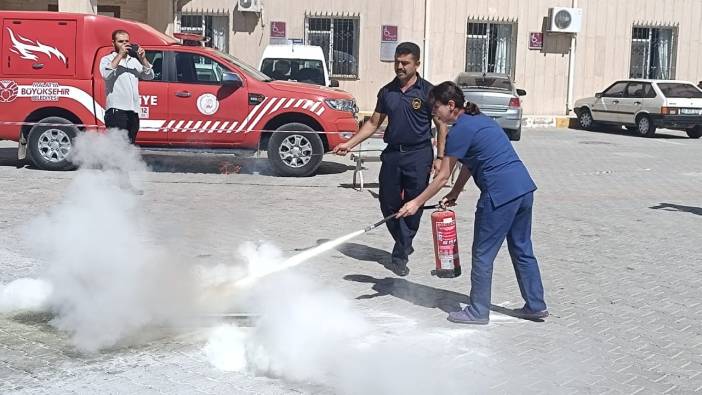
x=408 y=159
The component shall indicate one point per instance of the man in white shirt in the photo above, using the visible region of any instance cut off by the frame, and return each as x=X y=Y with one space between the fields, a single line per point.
x=121 y=71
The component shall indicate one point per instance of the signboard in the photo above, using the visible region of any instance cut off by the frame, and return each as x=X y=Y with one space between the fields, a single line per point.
x=278 y=33
x=389 y=33
x=388 y=42
x=536 y=40
x=278 y=29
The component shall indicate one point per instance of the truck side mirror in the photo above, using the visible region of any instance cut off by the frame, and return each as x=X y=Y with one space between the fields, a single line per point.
x=521 y=92
x=598 y=95
x=231 y=80
x=333 y=83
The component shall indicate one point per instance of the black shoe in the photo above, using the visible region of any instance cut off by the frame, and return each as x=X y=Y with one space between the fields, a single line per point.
x=398 y=266
x=525 y=314
x=400 y=269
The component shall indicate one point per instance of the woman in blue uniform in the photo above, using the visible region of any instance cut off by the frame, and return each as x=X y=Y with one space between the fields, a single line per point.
x=503 y=210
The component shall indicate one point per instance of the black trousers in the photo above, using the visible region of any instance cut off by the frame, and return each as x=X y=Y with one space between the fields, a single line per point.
x=403 y=176
x=125 y=120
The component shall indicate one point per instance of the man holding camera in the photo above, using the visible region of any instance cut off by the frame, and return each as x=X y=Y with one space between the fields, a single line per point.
x=121 y=70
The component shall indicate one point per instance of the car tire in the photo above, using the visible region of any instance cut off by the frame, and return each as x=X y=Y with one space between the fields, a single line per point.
x=295 y=150
x=514 y=134
x=585 y=119
x=50 y=146
x=694 y=133
x=645 y=127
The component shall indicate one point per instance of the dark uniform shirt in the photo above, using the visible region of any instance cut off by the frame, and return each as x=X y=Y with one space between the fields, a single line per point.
x=480 y=144
x=409 y=112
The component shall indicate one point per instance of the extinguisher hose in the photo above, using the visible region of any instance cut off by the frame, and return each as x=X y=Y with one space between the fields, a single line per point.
x=389 y=217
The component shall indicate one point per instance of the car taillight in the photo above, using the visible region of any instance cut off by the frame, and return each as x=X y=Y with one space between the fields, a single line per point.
x=669 y=111
x=515 y=103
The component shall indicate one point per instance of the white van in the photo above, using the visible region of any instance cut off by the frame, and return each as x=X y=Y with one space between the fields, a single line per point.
x=294 y=62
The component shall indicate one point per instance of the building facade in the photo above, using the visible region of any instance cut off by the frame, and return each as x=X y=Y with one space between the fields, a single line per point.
x=617 y=38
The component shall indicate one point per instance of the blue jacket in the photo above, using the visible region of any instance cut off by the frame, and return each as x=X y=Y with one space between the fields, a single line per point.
x=481 y=145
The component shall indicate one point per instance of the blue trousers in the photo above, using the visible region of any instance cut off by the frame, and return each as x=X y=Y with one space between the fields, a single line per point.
x=492 y=225
x=403 y=176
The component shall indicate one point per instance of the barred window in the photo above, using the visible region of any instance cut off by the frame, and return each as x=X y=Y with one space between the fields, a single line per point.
x=339 y=39
x=214 y=27
x=653 y=53
x=491 y=47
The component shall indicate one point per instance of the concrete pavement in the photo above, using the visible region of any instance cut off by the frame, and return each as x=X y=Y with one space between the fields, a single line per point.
x=616 y=229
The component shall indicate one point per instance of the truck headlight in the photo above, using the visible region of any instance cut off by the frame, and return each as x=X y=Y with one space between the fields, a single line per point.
x=348 y=105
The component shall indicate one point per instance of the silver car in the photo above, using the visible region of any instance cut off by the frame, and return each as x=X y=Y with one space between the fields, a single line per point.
x=497 y=97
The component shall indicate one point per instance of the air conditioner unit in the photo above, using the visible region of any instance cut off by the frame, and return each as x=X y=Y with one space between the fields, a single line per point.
x=565 y=20
x=250 y=5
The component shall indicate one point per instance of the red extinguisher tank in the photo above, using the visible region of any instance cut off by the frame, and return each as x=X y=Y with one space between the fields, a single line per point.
x=443 y=228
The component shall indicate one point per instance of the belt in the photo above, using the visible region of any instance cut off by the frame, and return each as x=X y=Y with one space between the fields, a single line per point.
x=409 y=147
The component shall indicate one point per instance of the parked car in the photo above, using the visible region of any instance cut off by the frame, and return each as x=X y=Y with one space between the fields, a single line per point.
x=200 y=98
x=497 y=97
x=295 y=62
x=644 y=105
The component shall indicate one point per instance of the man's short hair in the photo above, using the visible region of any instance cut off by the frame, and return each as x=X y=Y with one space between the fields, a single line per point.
x=118 y=31
x=408 y=48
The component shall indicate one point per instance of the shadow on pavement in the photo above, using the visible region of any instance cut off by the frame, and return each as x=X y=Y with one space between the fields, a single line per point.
x=193 y=163
x=678 y=207
x=224 y=164
x=422 y=295
x=417 y=294
x=8 y=157
x=662 y=133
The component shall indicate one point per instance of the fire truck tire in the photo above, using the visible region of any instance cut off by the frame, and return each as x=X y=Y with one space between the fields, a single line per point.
x=295 y=150
x=50 y=146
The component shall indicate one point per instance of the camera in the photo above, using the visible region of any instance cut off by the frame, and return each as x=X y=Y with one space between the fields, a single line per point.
x=133 y=48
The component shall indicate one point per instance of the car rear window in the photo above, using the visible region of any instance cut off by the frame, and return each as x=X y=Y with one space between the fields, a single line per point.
x=484 y=82
x=675 y=90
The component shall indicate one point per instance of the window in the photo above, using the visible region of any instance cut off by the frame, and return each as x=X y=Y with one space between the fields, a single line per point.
x=635 y=89
x=310 y=71
x=616 y=90
x=487 y=82
x=156 y=60
x=106 y=10
x=214 y=27
x=194 y=68
x=680 y=91
x=491 y=47
x=339 y=39
x=653 y=53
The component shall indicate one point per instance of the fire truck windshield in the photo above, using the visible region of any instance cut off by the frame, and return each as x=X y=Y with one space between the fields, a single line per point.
x=244 y=67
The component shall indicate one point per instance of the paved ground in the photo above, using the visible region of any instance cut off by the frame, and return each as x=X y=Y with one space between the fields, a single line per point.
x=617 y=220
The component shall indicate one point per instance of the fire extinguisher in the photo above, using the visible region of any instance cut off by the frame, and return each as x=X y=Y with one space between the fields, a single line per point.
x=443 y=227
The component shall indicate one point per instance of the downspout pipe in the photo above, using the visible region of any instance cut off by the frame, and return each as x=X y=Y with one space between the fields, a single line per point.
x=571 y=66
x=425 y=51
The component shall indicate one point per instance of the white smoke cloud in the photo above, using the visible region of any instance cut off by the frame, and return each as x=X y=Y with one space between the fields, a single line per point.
x=309 y=333
x=108 y=278
x=25 y=294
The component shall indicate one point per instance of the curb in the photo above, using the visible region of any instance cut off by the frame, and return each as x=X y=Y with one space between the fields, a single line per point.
x=528 y=121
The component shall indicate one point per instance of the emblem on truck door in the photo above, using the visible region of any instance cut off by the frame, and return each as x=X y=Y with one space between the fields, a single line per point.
x=8 y=91
x=26 y=48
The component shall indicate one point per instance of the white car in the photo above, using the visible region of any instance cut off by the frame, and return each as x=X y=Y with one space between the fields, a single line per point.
x=295 y=62
x=644 y=105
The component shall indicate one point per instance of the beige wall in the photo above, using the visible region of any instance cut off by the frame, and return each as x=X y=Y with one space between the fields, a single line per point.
x=602 y=56
x=251 y=34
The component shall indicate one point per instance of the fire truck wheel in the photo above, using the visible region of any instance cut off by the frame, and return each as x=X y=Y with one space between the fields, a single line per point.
x=295 y=150
x=50 y=145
